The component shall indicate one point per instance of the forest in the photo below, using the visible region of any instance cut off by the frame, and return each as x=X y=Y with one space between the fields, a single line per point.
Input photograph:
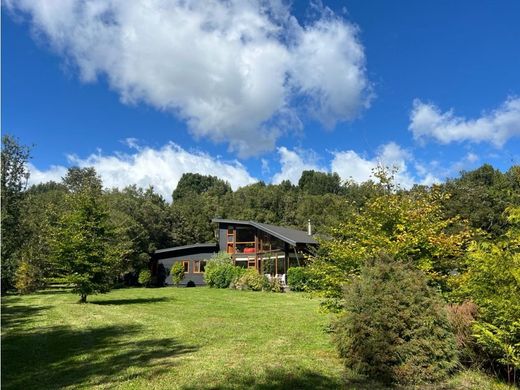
x=461 y=237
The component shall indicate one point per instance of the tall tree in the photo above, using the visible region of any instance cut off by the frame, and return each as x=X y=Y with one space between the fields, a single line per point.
x=197 y=184
x=14 y=178
x=320 y=183
x=481 y=196
x=87 y=246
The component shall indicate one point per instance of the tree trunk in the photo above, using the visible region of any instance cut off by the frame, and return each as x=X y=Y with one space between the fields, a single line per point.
x=83 y=298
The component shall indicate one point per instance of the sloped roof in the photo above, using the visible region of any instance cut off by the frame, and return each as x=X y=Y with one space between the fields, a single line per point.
x=291 y=236
x=180 y=248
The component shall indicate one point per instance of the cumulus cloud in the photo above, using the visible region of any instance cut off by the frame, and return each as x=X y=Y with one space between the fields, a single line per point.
x=293 y=163
x=237 y=71
x=352 y=166
x=496 y=127
x=162 y=168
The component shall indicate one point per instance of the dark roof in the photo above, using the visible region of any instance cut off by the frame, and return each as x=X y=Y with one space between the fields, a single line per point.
x=291 y=236
x=180 y=248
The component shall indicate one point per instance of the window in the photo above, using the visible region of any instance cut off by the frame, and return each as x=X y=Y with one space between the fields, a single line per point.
x=199 y=266
x=186 y=265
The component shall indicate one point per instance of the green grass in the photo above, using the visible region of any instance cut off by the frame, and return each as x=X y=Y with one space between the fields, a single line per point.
x=174 y=338
x=166 y=338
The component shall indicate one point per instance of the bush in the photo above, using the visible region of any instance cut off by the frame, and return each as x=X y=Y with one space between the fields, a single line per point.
x=275 y=285
x=177 y=273
x=297 y=278
x=395 y=327
x=145 y=278
x=252 y=280
x=220 y=271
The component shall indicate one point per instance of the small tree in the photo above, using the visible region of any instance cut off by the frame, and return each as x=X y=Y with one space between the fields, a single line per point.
x=177 y=273
x=86 y=244
x=395 y=328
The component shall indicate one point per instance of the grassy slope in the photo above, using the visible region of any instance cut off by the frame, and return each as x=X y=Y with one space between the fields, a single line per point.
x=173 y=338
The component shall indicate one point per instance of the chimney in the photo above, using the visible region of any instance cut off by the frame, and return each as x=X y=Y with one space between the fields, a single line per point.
x=309 y=227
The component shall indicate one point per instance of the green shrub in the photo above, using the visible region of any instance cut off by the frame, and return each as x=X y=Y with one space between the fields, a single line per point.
x=297 y=278
x=395 y=327
x=145 y=278
x=252 y=280
x=177 y=273
x=275 y=285
x=220 y=271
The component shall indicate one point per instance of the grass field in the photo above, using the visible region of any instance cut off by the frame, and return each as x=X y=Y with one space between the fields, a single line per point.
x=172 y=338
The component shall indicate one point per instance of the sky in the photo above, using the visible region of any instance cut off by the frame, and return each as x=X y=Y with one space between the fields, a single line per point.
x=145 y=91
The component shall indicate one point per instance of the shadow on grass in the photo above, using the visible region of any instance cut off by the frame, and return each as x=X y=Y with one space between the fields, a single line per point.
x=14 y=316
x=130 y=301
x=60 y=356
x=274 y=379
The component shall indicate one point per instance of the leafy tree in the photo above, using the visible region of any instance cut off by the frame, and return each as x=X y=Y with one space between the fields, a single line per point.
x=196 y=184
x=394 y=327
x=43 y=206
x=481 y=197
x=403 y=225
x=177 y=273
x=86 y=244
x=14 y=176
x=320 y=183
x=82 y=180
x=492 y=281
x=147 y=223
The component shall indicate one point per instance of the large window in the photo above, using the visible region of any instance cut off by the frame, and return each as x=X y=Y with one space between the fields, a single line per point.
x=199 y=266
x=186 y=265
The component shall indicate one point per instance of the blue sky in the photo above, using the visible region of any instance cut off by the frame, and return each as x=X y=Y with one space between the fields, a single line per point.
x=249 y=91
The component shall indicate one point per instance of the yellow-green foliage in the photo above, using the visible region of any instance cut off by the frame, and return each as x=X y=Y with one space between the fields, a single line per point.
x=404 y=225
x=492 y=281
x=28 y=277
x=177 y=273
x=145 y=278
x=252 y=280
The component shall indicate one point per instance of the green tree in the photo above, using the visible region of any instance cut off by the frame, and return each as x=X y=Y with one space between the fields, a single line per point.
x=146 y=220
x=86 y=244
x=43 y=206
x=405 y=226
x=196 y=184
x=481 y=196
x=320 y=183
x=395 y=327
x=492 y=281
x=14 y=176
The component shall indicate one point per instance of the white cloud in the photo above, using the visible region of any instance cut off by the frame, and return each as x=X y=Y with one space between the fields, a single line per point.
x=496 y=127
x=294 y=163
x=352 y=166
x=53 y=173
x=235 y=70
x=161 y=168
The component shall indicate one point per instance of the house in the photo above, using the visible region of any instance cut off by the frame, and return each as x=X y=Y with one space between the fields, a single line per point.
x=267 y=248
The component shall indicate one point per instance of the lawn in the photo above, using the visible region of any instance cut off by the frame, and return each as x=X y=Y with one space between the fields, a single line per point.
x=174 y=338
x=166 y=338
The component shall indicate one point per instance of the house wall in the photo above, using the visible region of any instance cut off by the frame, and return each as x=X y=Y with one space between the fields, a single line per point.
x=197 y=278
